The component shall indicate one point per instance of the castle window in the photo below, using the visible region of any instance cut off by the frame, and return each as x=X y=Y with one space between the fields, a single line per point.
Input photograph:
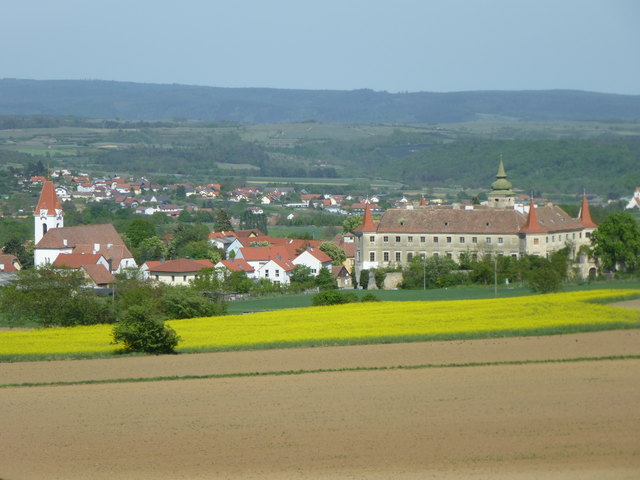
x=461 y=239
x=474 y=239
x=385 y=256
x=385 y=239
x=423 y=239
x=398 y=256
x=372 y=256
x=487 y=240
x=372 y=239
x=397 y=239
x=448 y=239
x=587 y=234
x=409 y=256
x=500 y=240
x=435 y=239
x=410 y=239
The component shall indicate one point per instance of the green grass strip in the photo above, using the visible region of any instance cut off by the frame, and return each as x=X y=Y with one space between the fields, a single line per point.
x=319 y=370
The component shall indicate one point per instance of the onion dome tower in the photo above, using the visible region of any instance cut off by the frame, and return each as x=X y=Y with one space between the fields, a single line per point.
x=501 y=195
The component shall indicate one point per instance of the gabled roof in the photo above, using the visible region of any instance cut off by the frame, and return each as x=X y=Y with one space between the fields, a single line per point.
x=256 y=254
x=236 y=265
x=48 y=200
x=318 y=254
x=179 y=265
x=286 y=265
x=99 y=274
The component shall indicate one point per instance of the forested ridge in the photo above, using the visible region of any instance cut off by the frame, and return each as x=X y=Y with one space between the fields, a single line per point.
x=154 y=102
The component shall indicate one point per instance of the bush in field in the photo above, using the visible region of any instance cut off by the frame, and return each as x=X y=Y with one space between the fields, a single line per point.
x=369 y=297
x=333 y=297
x=188 y=302
x=139 y=331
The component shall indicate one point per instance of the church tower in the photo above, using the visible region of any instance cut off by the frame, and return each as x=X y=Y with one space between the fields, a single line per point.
x=48 y=213
x=501 y=195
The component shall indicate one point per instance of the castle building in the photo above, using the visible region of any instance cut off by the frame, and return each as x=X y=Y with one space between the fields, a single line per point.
x=499 y=228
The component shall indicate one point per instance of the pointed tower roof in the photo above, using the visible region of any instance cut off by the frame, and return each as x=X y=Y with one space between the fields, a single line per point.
x=501 y=185
x=585 y=214
x=367 y=221
x=532 y=225
x=48 y=201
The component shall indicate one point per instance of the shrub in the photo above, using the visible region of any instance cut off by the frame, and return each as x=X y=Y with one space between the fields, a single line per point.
x=333 y=297
x=139 y=331
x=364 y=279
x=185 y=302
x=369 y=297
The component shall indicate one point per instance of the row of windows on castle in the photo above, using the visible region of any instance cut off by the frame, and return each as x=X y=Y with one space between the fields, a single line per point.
x=463 y=239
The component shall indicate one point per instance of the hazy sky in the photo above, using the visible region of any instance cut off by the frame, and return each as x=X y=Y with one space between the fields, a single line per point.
x=393 y=45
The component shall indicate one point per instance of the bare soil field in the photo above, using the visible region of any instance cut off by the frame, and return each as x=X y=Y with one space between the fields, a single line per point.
x=576 y=420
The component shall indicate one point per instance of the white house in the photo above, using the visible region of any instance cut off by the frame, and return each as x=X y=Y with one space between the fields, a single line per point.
x=277 y=271
x=635 y=200
x=315 y=259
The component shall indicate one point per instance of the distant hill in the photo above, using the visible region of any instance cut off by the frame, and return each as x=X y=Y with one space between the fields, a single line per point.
x=137 y=101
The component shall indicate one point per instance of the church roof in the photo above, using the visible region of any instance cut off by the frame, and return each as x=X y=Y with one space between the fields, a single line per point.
x=102 y=239
x=48 y=200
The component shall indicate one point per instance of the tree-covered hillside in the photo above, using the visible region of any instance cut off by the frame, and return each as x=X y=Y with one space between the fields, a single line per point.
x=134 y=101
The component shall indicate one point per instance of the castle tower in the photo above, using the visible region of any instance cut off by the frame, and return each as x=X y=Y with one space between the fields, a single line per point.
x=501 y=195
x=48 y=213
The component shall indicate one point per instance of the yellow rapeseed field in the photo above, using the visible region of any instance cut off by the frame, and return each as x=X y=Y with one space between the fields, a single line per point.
x=350 y=322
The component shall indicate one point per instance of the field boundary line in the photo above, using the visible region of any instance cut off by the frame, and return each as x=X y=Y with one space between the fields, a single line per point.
x=318 y=370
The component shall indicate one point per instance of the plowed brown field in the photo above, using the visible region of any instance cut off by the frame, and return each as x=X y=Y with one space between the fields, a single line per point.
x=577 y=420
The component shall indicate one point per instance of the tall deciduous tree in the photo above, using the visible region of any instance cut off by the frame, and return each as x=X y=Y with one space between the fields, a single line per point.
x=616 y=243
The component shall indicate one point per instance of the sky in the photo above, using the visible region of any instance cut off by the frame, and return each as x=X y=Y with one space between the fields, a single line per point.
x=384 y=45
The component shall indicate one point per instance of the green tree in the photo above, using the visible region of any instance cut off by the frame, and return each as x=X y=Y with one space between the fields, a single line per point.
x=351 y=223
x=301 y=277
x=616 y=243
x=222 y=222
x=53 y=297
x=432 y=272
x=140 y=229
x=151 y=248
x=187 y=302
x=249 y=220
x=140 y=331
x=364 y=279
x=325 y=280
x=337 y=255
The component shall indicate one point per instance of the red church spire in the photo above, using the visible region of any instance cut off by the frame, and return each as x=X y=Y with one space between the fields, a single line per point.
x=585 y=214
x=48 y=201
x=532 y=225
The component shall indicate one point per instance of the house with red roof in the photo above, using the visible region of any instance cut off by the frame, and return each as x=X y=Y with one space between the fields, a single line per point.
x=9 y=263
x=315 y=259
x=236 y=265
x=180 y=271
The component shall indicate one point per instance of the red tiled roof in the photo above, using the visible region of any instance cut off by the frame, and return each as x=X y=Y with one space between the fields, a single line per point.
x=99 y=274
x=48 y=200
x=76 y=260
x=8 y=262
x=532 y=225
x=318 y=254
x=585 y=214
x=236 y=265
x=265 y=253
x=180 y=265
x=367 y=222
